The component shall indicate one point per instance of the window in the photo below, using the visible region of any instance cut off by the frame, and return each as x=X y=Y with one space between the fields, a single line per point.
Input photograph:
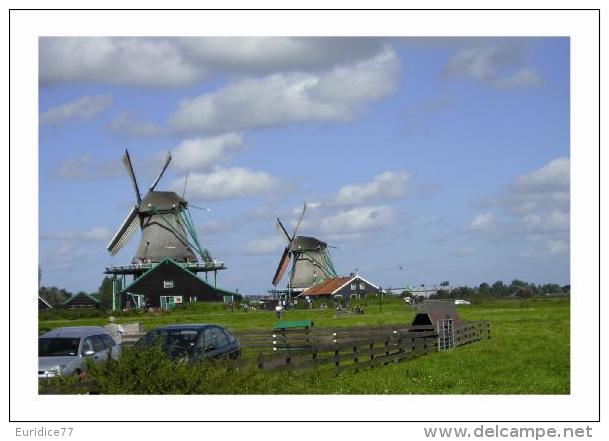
x=353 y=286
x=98 y=343
x=362 y=286
x=108 y=341
x=54 y=347
x=87 y=345
x=167 y=283
x=209 y=337
x=221 y=338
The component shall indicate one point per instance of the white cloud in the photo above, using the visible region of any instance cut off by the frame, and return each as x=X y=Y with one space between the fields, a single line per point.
x=202 y=153
x=126 y=123
x=481 y=222
x=126 y=61
x=85 y=167
x=492 y=65
x=95 y=234
x=535 y=207
x=525 y=77
x=385 y=185
x=228 y=183
x=358 y=219
x=266 y=54
x=265 y=245
x=337 y=95
x=173 y=62
x=552 y=177
x=85 y=107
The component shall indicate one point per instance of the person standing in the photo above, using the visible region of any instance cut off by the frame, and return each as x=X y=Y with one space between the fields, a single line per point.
x=115 y=330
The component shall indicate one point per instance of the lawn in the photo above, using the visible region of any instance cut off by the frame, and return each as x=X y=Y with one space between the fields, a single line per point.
x=528 y=352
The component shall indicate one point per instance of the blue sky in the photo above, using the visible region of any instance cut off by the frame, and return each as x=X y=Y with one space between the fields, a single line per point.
x=446 y=157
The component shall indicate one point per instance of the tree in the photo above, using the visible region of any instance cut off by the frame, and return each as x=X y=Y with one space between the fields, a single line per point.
x=484 y=289
x=499 y=289
x=105 y=293
x=53 y=295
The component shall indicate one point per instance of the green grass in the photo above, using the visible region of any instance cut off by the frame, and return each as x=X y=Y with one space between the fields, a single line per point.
x=528 y=353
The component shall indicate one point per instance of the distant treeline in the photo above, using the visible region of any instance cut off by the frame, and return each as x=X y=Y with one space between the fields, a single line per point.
x=517 y=288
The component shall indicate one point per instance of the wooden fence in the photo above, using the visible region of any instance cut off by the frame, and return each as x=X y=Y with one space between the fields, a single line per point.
x=359 y=347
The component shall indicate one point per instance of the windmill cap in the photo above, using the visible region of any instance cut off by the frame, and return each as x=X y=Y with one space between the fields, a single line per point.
x=307 y=243
x=161 y=200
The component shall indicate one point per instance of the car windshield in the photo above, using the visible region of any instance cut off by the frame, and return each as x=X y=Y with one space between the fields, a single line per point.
x=53 y=347
x=180 y=338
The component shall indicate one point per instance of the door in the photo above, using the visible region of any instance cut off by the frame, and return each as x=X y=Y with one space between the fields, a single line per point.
x=168 y=302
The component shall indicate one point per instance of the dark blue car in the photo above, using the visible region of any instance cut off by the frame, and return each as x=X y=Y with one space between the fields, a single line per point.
x=193 y=342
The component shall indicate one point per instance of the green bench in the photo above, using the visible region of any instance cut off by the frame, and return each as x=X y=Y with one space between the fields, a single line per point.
x=296 y=341
x=283 y=324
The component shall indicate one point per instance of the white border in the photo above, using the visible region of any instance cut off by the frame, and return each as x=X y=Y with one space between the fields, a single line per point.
x=581 y=26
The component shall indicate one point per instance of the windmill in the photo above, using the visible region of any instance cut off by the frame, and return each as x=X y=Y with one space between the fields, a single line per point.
x=311 y=262
x=165 y=222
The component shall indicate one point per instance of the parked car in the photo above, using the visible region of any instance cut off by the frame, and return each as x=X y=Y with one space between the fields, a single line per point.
x=63 y=351
x=193 y=342
x=462 y=302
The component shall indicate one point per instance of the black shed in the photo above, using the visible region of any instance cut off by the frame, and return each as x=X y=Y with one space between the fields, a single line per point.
x=432 y=311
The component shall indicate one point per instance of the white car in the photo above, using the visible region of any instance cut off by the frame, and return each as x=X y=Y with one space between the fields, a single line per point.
x=62 y=351
x=462 y=302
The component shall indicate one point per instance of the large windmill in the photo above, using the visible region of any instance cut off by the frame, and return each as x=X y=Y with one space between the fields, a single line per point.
x=168 y=256
x=311 y=261
x=166 y=224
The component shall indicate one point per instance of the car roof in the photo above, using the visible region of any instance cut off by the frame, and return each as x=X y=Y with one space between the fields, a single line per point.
x=186 y=326
x=74 y=332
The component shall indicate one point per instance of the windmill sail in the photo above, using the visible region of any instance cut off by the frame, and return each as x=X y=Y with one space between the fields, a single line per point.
x=129 y=167
x=124 y=233
x=283 y=265
x=156 y=181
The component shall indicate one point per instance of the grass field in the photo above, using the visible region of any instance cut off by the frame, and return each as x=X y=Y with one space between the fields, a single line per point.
x=528 y=353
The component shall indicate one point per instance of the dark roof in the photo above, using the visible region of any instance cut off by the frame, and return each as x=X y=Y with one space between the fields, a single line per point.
x=190 y=273
x=439 y=310
x=326 y=287
x=43 y=304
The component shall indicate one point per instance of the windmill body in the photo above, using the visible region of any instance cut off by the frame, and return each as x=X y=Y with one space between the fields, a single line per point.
x=164 y=234
x=311 y=261
x=169 y=254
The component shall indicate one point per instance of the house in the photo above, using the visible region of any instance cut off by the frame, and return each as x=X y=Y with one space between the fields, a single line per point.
x=81 y=300
x=168 y=283
x=353 y=286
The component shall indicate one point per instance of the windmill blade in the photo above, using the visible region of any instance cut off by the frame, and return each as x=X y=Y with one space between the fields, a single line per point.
x=129 y=167
x=282 y=229
x=124 y=233
x=156 y=181
x=304 y=208
x=283 y=265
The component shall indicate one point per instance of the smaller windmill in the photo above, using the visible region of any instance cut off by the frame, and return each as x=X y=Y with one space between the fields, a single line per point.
x=311 y=261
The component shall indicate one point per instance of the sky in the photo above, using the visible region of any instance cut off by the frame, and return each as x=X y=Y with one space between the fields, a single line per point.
x=420 y=159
